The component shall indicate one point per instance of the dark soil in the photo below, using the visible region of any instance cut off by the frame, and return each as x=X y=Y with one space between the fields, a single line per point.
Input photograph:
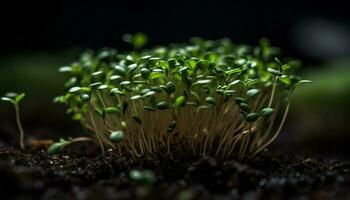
x=35 y=175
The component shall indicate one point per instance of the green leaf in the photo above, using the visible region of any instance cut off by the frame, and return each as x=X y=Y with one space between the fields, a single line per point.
x=199 y=108
x=102 y=87
x=155 y=75
x=85 y=90
x=274 y=71
x=156 y=89
x=211 y=56
x=235 y=82
x=116 y=77
x=285 y=80
x=98 y=73
x=65 y=69
x=210 y=100
x=135 y=97
x=150 y=93
x=120 y=70
x=85 y=97
x=54 y=148
x=150 y=108
x=180 y=101
x=7 y=99
x=203 y=65
x=95 y=85
x=112 y=110
x=57 y=146
x=304 y=81
x=239 y=100
x=131 y=68
x=285 y=67
x=251 y=82
x=145 y=73
x=300 y=83
x=245 y=107
x=115 y=91
x=11 y=95
x=171 y=126
x=192 y=63
x=196 y=97
x=124 y=84
x=266 y=111
x=116 y=136
x=233 y=71
x=162 y=105
x=202 y=82
x=99 y=112
x=252 y=117
x=170 y=87
x=251 y=93
x=137 y=119
x=74 y=90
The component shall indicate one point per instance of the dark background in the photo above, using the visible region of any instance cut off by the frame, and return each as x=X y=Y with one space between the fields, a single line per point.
x=42 y=26
x=38 y=37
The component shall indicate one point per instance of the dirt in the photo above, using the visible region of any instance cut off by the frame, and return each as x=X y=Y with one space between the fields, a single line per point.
x=35 y=175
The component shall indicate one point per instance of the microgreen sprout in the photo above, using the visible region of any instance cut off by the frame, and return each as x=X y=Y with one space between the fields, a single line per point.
x=14 y=99
x=208 y=97
x=59 y=145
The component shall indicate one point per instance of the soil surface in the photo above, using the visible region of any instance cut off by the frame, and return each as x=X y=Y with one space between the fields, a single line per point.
x=35 y=175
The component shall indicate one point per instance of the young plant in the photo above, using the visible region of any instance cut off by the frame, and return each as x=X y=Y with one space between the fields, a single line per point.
x=206 y=97
x=58 y=146
x=14 y=99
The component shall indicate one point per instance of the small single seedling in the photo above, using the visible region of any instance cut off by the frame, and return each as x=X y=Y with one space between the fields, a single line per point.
x=14 y=99
x=58 y=146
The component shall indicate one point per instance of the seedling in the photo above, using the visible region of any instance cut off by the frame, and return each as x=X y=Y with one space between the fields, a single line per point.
x=205 y=97
x=58 y=146
x=14 y=99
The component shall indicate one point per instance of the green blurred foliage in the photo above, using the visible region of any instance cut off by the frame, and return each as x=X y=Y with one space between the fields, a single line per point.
x=319 y=117
x=330 y=89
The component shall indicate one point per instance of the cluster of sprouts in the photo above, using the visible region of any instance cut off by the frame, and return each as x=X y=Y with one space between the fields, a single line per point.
x=205 y=97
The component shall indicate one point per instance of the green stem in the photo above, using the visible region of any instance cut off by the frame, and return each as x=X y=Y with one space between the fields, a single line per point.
x=20 y=128
x=273 y=92
x=278 y=130
x=96 y=132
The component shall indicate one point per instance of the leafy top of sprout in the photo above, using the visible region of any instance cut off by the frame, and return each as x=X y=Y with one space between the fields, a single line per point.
x=213 y=97
x=13 y=98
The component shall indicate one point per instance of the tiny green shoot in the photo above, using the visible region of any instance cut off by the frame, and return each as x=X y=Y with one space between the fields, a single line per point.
x=15 y=99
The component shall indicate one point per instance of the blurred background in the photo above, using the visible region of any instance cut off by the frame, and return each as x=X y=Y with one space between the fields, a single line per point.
x=38 y=37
